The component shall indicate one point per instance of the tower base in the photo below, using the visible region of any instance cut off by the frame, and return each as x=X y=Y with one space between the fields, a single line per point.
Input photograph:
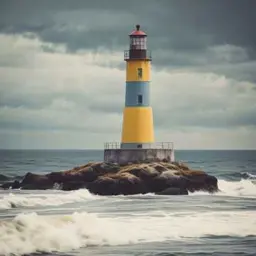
x=126 y=156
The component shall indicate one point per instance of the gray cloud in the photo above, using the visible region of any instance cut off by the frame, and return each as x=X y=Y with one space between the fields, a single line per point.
x=183 y=27
x=222 y=22
x=182 y=33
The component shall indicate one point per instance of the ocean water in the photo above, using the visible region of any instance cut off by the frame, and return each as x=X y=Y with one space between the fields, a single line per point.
x=54 y=222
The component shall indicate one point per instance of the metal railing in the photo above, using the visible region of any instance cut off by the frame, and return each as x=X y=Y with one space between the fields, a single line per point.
x=147 y=56
x=162 y=145
x=155 y=145
x=112 y=145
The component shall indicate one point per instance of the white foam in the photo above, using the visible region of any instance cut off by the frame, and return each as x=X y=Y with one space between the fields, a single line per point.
x=242 y=188
x=28 y=233
x=249 y=175
x=28 y=200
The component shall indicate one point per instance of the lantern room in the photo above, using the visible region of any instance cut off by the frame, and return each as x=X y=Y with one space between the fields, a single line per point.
x=138 y=46
x=138 y=39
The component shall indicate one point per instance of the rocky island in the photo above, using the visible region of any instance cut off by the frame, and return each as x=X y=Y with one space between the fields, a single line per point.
x=102 y=178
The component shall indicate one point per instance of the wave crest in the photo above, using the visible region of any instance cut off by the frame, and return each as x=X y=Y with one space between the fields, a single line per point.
x=243 y=188
x=28 y=200
x=247 y=175
x=28 y=233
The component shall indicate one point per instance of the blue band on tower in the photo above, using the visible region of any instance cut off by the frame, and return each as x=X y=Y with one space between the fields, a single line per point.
x=137 y=94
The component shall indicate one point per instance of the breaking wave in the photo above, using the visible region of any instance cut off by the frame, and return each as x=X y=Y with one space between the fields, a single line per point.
x=29 y=233
x=242 y=188
x=247 y=175
x=238 y=176
x=29 y=200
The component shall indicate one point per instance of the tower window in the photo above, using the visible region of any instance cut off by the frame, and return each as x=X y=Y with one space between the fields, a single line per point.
x=140 y=100
x=140 y=72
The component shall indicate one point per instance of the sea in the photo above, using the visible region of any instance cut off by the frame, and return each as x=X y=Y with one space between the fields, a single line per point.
x=54 y=222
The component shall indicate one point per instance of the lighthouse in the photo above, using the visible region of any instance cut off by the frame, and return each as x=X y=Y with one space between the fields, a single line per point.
x=137 y=135
x=137 y=130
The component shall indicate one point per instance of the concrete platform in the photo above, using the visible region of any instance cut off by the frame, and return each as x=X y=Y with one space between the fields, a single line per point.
x=125 y=156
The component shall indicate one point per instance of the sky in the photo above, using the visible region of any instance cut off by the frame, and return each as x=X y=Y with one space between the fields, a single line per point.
x=62 y=73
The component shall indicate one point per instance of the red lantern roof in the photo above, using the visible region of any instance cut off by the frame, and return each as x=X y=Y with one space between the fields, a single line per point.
x=138 y=32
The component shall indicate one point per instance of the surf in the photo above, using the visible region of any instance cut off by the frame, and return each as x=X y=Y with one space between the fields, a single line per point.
x=30 y=232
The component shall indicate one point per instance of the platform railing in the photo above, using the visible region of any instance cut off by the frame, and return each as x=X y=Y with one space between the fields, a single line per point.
x=155 y=145
x=112 y=145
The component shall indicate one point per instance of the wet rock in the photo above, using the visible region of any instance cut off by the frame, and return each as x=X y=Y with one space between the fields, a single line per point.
x=164 y=181
x=201 y=182
x=4 y=178
x=118 y=184
x=103 y=186
x=89 y=175
x=180 y=165
x=112 y=179
x=169 y=174
x=159 y=167
x=72 y=185
x=7 y=185
x=173 y=191
x=36 y=181
x=85 y=174
x=143 y=171
x=11 y=185
x=16 y=184
x=104 y=168
x=57 y=177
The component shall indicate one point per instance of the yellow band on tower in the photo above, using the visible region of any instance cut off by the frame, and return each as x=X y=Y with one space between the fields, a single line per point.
x=138 y=70
x=138 y=125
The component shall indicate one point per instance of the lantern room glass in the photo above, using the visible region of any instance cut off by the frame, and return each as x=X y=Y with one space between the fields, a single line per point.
x=138 y=43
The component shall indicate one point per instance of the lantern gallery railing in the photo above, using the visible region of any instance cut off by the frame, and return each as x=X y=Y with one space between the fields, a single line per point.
x=137 y=55
x=156 y=145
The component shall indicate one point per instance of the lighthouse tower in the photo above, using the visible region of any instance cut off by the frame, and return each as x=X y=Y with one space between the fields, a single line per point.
x=138 y=130
x=137 y=138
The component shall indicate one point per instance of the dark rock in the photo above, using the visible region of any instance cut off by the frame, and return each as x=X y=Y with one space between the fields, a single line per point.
x=201 y=182
x=112 y=179
x=36 y=181
x=57 y=177
x=159 y=167
x=129 y=184
x=16 y=184
x=72 y=185
x=11 y=185
x=144 y=172
x=165 y=181
x=89 y=175
x=4 y=178
x=157 y=184
x=124 y=184
x=173 y=191
x=181 y=166
x=103 y=186
x=7 y=185
x=104 y=168
x=86 y=174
